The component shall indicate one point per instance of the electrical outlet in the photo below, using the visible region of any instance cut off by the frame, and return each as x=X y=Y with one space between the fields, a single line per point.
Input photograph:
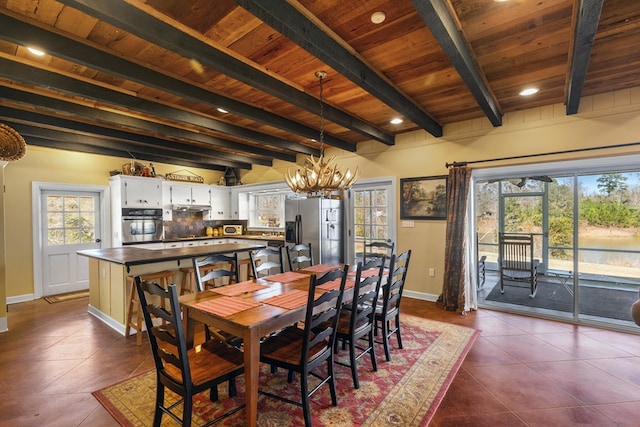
x=432 y=272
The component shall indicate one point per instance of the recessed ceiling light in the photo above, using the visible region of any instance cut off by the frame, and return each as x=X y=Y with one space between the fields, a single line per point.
x=396 y=121
x=529 y=91
x=222 y=110
x=378 y=17
x=36 y=52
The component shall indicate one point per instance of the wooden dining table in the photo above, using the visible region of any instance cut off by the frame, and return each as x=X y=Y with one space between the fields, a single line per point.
x=253 y=309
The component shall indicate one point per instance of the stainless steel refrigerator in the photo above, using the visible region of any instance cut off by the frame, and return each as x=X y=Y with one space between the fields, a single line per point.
x=317 y=221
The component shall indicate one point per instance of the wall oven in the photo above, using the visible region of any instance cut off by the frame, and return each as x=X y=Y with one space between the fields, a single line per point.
x=141 y=225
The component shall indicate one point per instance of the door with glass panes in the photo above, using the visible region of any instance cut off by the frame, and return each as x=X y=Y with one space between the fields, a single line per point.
x=70 y=222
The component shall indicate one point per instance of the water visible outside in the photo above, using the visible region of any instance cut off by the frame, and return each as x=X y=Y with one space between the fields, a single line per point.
x=608 y=210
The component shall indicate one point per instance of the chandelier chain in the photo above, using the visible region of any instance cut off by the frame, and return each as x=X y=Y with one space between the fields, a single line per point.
x=320 y=177
x=321 y=114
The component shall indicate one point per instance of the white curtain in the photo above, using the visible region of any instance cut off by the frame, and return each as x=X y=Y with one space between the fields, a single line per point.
x=470 y=256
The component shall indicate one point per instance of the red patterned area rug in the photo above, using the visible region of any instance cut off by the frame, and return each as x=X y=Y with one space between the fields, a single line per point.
x=405 y=391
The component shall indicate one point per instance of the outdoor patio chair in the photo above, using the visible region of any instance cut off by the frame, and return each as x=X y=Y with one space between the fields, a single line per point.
x=517 y=265
x=482 y=270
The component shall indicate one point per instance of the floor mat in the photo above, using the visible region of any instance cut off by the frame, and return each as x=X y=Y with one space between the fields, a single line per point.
x=66 y=297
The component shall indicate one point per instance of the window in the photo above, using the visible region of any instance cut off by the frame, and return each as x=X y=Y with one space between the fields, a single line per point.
x=585 y=224
x=266 y=211
x=371 y=217
x=70 y=219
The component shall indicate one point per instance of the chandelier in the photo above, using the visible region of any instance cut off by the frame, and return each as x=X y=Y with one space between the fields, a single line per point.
x=320 y=176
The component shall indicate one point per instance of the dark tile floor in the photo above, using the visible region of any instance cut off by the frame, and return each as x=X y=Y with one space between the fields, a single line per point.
x=520 y=372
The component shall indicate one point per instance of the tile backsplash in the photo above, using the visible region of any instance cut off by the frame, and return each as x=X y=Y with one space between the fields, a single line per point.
x=186 y=224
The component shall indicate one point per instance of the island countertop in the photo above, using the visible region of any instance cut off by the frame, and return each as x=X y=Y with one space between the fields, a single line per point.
x=129 y=256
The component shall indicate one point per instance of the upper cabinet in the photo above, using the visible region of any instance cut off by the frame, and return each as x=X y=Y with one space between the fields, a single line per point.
x=220 y=203
x=201 y=195
x=181 y=194
x=137 y=192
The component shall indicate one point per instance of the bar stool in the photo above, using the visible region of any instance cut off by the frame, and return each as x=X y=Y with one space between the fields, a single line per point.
x=189 y=273
x=164 y=278
x=246 y=262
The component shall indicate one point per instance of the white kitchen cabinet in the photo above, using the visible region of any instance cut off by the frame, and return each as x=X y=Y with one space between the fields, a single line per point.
x=188 y=194
x=167 y=209
x=220 y=203
x=179 y=194
x=206 y=242
x=152 y=246
x=138 y=192
x=190 y=243
x=201 y=195
x=184 y=195
x=170 y=245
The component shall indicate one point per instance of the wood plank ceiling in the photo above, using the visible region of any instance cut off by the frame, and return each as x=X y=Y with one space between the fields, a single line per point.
x=147 y=79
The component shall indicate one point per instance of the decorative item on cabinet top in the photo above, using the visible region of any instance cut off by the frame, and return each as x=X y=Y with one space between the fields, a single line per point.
x=184 y=176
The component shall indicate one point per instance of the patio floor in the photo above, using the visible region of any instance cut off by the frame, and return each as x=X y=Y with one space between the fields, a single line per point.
x=605 y=302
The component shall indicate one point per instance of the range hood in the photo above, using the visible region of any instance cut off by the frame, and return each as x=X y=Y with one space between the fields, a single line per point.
x=192 y=208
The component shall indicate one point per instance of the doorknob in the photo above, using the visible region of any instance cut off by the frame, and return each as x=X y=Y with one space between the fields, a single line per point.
x=98 y=240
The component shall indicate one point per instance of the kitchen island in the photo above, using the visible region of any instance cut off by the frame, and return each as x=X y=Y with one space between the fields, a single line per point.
x=109 y=268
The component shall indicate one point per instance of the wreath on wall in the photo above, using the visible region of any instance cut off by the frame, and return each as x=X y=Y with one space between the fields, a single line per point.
x=12 y=145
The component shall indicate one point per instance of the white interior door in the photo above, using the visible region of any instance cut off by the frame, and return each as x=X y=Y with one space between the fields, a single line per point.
x=70 y=222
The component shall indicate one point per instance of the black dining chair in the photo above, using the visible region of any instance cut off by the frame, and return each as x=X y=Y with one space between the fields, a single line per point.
x=378 y=249
x=299 y=256
x=215 y=270
x=357 y=318
x=302 y=350
x=266 y=261
x=186 y=372
x=387 y=317
x=211 y=272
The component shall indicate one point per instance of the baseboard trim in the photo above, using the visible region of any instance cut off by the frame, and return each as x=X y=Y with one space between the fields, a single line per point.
x=20 y=298
x=113 y=324
x=420 y=295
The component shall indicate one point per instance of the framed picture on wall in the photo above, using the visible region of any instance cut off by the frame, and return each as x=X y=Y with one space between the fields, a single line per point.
x=423 y=197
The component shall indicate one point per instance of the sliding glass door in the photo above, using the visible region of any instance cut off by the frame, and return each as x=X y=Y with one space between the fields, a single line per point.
x=608 y=255
x=587 y=228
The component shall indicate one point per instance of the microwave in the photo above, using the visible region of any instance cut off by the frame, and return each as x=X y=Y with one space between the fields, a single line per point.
x=231 y=230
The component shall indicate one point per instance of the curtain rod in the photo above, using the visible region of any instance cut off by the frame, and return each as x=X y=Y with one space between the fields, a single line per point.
x=577 y=150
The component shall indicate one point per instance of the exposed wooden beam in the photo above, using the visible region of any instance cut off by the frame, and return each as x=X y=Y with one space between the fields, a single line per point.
x=284 y=18
x=158 y=146
x=43 y=78
x=22 y=33
x=436 y=15
x=135 y=20
x=55 y=106
x=585 y=32
x=88 y=144
x=92 y=149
